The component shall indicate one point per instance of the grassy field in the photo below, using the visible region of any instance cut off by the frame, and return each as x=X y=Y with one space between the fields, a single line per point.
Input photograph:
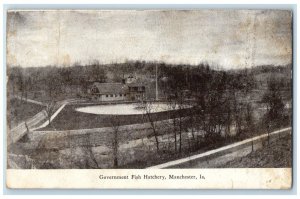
x=19 y=111
x=70 y=119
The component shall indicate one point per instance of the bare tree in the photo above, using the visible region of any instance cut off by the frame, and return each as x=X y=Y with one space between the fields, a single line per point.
x=177 y=105
x=249 y=120
x=20 y=80
x=148 y=112
x=172 y=106
x=96 y=72
x=273 y=99
x=180 y=102
x=115 y=125
x=89 y=150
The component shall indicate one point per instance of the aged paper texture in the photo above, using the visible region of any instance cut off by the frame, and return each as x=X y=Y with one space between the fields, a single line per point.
x=151 y=99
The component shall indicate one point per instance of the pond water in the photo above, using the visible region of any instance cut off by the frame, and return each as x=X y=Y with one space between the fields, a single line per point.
x=126 y=109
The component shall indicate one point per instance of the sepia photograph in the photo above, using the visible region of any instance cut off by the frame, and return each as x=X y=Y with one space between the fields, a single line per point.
x=149 y=89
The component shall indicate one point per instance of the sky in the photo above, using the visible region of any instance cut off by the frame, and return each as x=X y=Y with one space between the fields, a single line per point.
x=229 y=39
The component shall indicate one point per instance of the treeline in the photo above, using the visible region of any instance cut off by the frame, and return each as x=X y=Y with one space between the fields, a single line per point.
x=54 y=83
x=62 y=82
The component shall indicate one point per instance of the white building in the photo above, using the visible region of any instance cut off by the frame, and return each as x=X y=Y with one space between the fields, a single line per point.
x=109 y=91
x=128 y=90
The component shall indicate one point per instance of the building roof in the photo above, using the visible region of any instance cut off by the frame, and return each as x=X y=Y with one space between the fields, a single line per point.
x=111 y=88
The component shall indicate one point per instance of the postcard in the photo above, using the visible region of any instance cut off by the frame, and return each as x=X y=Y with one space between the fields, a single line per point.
x=149 y=99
